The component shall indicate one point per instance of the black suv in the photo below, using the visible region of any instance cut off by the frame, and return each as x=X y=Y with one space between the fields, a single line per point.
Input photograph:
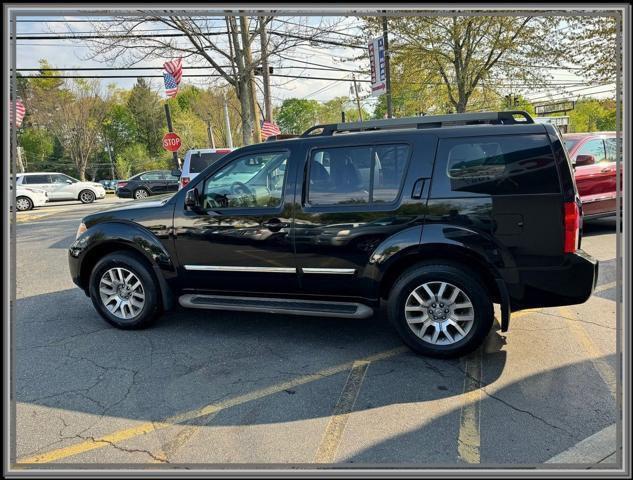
x=438 y=216
x=142 y=185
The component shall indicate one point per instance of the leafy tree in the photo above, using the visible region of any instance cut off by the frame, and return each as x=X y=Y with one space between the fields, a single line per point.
x=330 y=111
x=592 y=42
x=147 y=111
x=297 y=115
x=592 y=115
x=466 y=53
x=38 y=145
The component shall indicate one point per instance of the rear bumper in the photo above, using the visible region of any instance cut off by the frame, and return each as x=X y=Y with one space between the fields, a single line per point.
x=571 y=283
x=123 y=193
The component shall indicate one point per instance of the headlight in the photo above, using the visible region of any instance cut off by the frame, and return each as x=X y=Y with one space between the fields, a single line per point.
x=82 y=228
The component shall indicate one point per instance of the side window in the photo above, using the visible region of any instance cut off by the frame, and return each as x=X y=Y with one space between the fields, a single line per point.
x=36 y=179
x=59 y=178
x=356 y=175
x=612 y=149
x=152 y=176
x=501 y=165
x=595 y=148
x=255 y=180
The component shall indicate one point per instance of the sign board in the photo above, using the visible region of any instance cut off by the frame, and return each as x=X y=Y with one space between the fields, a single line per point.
x=555 y=107
x=377 y=65
x=561 y=122
x=171 y=142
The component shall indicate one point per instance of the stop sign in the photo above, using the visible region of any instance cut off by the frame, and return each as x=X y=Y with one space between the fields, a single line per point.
x=171 y=142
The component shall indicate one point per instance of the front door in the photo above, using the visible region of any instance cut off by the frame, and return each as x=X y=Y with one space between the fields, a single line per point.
x=62 y=188
x=239 y=241
x=355 y=196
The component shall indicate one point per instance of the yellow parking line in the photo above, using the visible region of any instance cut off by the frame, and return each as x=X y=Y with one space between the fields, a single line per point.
x=596 y=356
x=326 y=453
x=468 y=440
x=148 y=427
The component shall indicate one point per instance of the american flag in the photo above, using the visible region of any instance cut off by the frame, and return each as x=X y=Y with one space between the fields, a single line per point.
x=171 y=86
x=269 y=129
x=174 y=67
x=19 y=113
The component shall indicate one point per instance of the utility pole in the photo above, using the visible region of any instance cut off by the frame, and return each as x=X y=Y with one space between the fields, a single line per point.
x=385 y=37
x=248 y=62
x=360 y=111
x=268 y=106
x=229 y=137
x=210 y=133
x=109 y=149
x=342 y=117
x=170 y=128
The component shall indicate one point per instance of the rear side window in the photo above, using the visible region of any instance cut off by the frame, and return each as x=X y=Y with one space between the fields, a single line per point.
x=199 y=161
x=152 y=176
x=356 y=175
x=35 y=179
x=496 y=165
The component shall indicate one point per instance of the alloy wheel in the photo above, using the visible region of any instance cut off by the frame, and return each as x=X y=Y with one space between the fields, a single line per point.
x=439 y=313
x=122 y=293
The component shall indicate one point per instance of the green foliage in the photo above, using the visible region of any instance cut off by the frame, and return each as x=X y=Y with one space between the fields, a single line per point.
x=149 y=117
x=296 y=115
x=592 y=115
x=38 y=145
x=134 y=159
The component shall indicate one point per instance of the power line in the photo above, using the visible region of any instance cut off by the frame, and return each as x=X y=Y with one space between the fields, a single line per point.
x=194 y=67
x=190 y=75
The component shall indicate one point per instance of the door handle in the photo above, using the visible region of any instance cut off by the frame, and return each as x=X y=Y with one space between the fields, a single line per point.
x=605 y=170
x=274 y=224
x=418 y=188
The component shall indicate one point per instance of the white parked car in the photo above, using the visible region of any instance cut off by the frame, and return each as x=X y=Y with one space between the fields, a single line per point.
x=197 y=160
x=28 y=198
x=60 y=186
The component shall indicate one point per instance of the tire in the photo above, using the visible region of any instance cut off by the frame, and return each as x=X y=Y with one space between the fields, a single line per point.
x=22 y=204
x=87 y=196
x=124 y=317
x=426 y=321
x=140 y=194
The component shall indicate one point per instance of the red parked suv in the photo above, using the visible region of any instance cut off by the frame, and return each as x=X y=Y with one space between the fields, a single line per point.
x=594 y=155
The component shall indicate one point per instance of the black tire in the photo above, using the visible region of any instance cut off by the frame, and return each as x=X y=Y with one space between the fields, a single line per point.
x=466 y=280
x=87 y=196
x=151 y=308
x=23 y=204
x=140 y=193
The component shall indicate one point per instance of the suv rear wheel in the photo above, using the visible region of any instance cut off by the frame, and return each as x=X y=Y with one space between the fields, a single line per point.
x=22 y=204
x=440 y=310
x=123 y=290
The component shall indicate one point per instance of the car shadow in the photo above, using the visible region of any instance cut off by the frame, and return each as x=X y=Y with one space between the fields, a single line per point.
x=599 y=226
x=70 y=360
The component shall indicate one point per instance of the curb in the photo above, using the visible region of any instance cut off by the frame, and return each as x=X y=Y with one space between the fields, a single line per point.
x=599 y=447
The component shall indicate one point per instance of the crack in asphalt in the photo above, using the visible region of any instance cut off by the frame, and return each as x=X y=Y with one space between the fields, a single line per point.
x=123 y=449
x=577 y=320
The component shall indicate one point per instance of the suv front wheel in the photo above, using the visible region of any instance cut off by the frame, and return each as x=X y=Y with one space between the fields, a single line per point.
x=440 y=310
x=124 y=291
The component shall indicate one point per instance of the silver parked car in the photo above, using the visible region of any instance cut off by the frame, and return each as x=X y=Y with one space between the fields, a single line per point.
x=60 y=186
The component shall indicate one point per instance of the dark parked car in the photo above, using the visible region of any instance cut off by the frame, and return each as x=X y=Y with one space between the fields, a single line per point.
x=438 y=216
x=594 y=156
x=154 y=182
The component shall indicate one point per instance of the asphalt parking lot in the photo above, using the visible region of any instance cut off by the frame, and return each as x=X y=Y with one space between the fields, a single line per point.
x=210 y=388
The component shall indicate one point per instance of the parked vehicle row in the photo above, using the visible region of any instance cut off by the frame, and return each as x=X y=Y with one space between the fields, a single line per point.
x=438 y=216
x=60 y=186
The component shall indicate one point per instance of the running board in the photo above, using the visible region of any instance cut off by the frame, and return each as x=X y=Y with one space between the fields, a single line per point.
x=284 y=306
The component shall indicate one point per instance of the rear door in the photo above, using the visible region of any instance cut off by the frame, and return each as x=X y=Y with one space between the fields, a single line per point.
x=594 y=182
x=356 y=193
x=41 y=181
x=154 y=182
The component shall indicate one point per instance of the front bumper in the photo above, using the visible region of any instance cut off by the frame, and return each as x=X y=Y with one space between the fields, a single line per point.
x=571 y=283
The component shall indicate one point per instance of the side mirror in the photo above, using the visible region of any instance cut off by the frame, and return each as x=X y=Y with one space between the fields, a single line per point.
x=582 y=160
x=192 y=199
x=176 y=173
x=69 y=182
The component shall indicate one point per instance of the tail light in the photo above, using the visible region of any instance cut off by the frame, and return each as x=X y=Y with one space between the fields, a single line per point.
x=121 y=184
x=572 y=227
x=184 y=181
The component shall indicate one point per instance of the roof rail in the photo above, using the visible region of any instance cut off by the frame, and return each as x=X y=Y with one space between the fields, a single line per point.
x=429 y=121
x=281 y=136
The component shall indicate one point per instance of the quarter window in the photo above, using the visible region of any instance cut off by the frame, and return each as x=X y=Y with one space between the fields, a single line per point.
x=356 y=175
x=255 y=180
x=595 y=148
x=502 y=165
x=36 y=179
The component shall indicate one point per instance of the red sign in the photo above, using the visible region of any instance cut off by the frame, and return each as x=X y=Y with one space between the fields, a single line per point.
x=171 y=142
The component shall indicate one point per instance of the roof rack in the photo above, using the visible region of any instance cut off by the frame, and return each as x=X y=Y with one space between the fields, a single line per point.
x=281 y=136
x=429 y=121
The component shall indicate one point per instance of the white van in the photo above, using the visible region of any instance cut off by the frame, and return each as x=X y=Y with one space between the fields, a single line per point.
x=197 y=160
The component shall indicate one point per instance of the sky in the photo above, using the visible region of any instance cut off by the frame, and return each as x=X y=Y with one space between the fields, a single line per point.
x=72 y=54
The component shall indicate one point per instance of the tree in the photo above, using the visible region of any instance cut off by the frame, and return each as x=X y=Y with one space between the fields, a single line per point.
x=592 y=42
x=468 y=52
x=146 y=109
x=224 y=43
x=592 y=115
x=38 y=145
x=330 y=111
x=297 y=115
